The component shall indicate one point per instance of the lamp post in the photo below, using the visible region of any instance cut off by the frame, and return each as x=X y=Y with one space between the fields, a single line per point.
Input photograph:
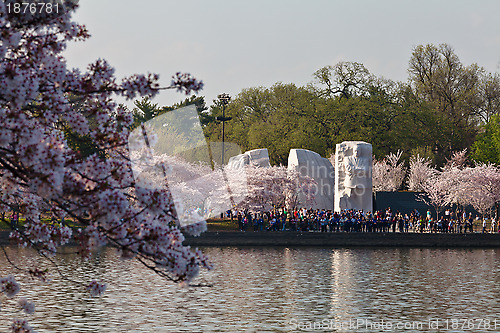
x=224 y=99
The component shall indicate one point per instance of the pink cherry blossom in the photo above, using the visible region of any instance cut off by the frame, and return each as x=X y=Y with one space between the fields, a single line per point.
x=9 y=286
x=420 y=171
x=96 y=289
x=27 y=306
x=271 y=187
x=389 y=173
x=21 y=326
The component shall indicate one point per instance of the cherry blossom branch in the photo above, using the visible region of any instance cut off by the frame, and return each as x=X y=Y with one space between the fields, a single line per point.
x=10 y=261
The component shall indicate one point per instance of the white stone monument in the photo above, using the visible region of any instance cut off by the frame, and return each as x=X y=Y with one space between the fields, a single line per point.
x=311 y=164
x=353 y=176
x=256 y=157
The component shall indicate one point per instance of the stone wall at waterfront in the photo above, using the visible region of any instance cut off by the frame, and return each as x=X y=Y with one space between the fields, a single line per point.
x=334 y=239
x=361 y=239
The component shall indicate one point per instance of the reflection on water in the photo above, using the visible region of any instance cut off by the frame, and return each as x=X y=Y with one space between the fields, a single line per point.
x=268 y=290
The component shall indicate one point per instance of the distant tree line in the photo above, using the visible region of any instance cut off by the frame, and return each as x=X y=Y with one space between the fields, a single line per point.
x=444 y=107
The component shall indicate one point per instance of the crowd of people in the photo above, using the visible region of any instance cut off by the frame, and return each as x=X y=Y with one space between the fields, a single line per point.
x=321 y=220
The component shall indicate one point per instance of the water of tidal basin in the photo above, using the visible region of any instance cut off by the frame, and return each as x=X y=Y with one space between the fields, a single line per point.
x=268 y=290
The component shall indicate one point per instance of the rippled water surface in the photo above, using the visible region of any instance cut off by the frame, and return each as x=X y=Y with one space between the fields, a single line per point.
x=272 y=290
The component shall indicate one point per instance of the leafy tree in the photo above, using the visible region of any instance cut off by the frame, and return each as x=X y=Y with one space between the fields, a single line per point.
x=143 y=111
x=345 y=79
x=441 y=80
x=489 y=95
x=83 y=144
x=486 y=148
x=201 y=108
x=175 y=133
x=278 y=118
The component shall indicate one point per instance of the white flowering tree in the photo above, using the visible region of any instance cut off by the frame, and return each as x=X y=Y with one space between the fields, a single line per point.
x=199 y=192
x=389 y=173
x=436 y=190
x=442 y=187
x=457 y=185
x=482 y=187
x=420 y=171
x=42 y=104
x=274 y=187
x=457 y=160
x=477 y=186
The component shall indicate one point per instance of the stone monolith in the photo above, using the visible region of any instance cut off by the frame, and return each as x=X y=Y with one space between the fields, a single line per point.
x=353 y=176
x=311 y=164
x=256 y=157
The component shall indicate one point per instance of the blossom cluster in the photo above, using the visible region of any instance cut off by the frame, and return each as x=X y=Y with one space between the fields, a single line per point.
x=388 y=173
x=96 y=289
x=9 y=286
x=186 y=83
x=21 y=326
x=27 y=306
x=420 y=172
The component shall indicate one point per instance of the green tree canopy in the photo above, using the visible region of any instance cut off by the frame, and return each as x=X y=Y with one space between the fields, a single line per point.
x=486 y=148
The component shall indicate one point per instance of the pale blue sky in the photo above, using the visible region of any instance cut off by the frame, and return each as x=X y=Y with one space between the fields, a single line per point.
x=232 y=45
